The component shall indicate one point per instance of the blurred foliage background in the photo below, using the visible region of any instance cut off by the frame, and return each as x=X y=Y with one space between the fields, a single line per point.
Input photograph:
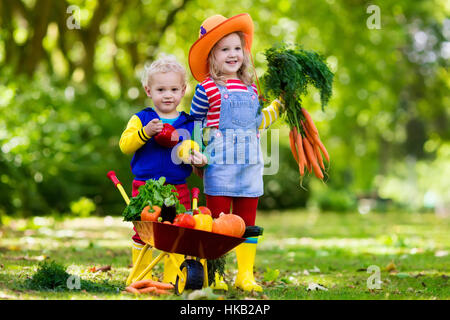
x=67 y=92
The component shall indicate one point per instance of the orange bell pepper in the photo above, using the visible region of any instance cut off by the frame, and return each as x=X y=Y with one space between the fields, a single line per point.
x=150 y=215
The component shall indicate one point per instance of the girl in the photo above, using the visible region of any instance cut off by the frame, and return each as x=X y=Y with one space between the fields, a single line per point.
x=226 y=101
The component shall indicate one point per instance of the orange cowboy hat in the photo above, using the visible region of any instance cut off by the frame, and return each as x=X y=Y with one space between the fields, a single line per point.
x=211 y=31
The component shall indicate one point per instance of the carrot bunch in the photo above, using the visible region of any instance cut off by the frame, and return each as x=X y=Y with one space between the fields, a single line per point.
x=291 y=70
x=307 y=148
x=149 y=286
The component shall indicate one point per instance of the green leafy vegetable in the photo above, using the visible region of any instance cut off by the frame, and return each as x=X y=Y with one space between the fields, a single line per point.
x=53 y=276
x=216 y=265
x=290 y=70
x=153 y=193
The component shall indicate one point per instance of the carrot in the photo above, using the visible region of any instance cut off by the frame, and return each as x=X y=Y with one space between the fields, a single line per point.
x=132 y=290
x=292 y=145
x=307 y=132
x=160 y=285
x=300 y=152
x=308 y=166
x=141 y=284
x=315 y=139
x=322 y=148
x=319 y=156
x=161 y=291
x=147 y=290
x=310 y=121
x=312 y=158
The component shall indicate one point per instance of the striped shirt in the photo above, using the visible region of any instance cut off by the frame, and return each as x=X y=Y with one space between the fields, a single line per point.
x=207 y=102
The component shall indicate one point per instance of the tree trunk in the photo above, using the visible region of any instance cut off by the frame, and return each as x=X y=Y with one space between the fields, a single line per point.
x=34 y=49
x=10 y=45
x=90 y=37
x=60 y=17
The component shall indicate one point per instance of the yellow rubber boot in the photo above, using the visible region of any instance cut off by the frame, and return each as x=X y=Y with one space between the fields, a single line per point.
x=145 y=261
x=245 y=254
x=219 y=283
x=170 y=270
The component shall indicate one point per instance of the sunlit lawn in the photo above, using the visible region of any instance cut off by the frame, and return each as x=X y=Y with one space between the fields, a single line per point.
x=328 y=249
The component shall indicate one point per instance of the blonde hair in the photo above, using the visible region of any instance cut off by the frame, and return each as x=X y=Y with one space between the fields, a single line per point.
x=168 y=63
x=244 y=73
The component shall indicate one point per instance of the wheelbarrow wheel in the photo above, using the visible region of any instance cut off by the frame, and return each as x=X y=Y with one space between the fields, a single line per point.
x=193 y=276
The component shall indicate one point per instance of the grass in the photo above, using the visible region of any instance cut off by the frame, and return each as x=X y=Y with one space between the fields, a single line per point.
x=298 y=248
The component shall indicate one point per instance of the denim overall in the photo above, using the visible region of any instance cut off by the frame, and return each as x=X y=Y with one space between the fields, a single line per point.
x=235 y=163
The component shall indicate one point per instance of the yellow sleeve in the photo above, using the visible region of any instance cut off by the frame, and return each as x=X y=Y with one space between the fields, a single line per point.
x=133 y=137
x=270 y=114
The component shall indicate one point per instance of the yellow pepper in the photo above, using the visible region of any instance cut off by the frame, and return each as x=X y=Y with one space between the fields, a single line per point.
x=185 y=148
x=203 y=222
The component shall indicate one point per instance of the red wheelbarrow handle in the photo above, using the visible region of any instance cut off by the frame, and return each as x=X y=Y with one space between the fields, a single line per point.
x=112 y=176
x=195 y=193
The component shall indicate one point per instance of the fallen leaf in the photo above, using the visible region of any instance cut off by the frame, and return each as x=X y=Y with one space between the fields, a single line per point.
x=441 y=253
x=271 y=275
x=315 y=270
x=391 y=267
x=420 y=274
x=315 y=287
x=416 y=250
x=206 y=293
x=403 y=275
x=103 y=269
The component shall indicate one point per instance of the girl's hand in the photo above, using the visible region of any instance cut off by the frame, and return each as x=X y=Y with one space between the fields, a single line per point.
x=280 y=100
x=198 y=159
x=153 y=127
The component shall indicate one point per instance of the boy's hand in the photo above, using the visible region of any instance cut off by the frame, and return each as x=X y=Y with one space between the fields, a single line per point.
x=153 y=127
x=198 y=159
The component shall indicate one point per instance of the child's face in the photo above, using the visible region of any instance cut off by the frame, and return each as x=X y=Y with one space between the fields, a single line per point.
x=229 y=54
x=166 y=90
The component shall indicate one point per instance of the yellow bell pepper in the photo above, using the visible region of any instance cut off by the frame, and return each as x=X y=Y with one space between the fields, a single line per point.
x=203 y=222
x=184 y=150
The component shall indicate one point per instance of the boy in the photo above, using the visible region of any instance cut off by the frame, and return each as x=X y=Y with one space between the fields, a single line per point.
x=164 y=81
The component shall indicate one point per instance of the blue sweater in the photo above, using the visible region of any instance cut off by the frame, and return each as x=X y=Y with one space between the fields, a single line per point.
x=153 y=161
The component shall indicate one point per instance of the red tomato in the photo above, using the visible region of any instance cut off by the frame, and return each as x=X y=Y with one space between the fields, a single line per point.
x=184 y=220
